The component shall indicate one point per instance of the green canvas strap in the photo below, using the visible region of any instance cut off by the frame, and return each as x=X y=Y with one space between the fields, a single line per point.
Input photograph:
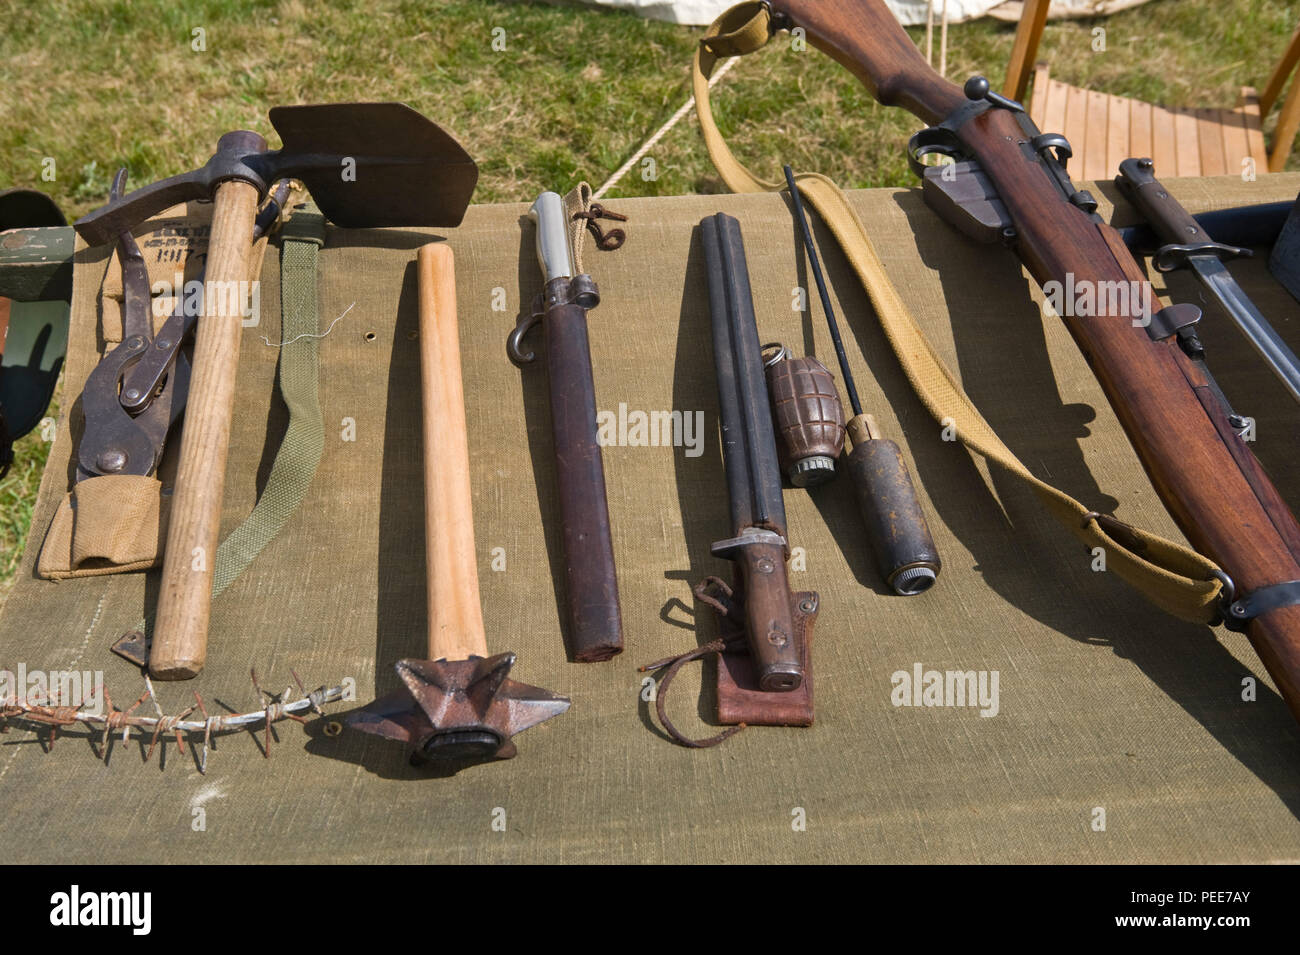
x=302 y=236
x=1173 y=577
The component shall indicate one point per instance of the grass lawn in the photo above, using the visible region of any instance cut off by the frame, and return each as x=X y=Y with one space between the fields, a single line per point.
x=100 y=83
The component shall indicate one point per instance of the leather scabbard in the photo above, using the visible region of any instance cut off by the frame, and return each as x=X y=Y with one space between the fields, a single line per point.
x=595 y=630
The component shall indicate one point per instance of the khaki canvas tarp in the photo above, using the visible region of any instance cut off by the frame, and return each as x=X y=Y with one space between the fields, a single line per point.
x=1104 y=703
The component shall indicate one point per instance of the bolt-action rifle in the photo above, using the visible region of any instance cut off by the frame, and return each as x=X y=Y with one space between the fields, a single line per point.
x=1010 y=185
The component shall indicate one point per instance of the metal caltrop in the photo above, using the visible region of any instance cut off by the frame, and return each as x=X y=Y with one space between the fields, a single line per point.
x=366 y=164
x=459 y=705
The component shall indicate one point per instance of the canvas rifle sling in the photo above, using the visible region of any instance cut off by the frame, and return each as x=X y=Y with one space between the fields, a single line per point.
x=1172 y=576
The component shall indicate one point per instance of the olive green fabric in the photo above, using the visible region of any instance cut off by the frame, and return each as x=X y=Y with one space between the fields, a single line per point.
x=1104 y=702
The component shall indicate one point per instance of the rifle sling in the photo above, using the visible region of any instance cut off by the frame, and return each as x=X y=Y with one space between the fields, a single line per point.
x=1172 y=576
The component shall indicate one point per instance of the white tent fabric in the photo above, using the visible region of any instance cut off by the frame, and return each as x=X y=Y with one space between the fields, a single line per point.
x=909 y=12
x=704 y=12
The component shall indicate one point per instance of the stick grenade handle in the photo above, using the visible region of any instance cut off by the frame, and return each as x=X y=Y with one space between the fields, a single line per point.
x=455 y=613
x=595 y=624
x=180 y=639
x=896 y=527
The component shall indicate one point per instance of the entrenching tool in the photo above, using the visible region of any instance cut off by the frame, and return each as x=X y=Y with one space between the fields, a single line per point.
x=366 y=164
x=458 y=705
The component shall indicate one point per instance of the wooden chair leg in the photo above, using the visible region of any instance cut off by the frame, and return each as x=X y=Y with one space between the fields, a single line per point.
x=1285 y=66
x=1028 y=33
x=1288 y=124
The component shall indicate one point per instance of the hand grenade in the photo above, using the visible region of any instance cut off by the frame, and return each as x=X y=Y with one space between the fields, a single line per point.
x=808 y=416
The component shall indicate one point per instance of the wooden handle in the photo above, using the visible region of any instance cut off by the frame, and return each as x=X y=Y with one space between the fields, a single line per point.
x=181 y=627
x=866 y=38
x=455 y=615
x=1168 y=219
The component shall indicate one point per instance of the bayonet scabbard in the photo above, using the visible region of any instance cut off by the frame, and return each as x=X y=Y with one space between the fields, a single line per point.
x=591 y=588
x=595 y=626
x=758 y=545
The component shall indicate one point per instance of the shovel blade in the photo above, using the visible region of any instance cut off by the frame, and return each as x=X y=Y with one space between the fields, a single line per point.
x=374 y=164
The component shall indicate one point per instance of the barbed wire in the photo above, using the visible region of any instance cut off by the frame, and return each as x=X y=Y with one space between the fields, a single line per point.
x=48 y=712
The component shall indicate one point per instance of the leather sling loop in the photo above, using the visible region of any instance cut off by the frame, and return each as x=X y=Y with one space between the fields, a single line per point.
x=1174 y=577
x=300 y=450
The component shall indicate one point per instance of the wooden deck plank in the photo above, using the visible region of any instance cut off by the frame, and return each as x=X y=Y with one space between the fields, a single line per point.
x=1094 y=152
x=1254 y=127
x=1236 y=147
x=1076 y=125
x=1210 y=142
x=1053 y=120
x=1164 y=141
x=1187 y=147
x=1139 y=130
x=1038 y=98
x=1117 y=130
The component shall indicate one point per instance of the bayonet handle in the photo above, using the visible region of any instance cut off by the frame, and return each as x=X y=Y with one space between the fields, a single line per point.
x=554 y=252
x=768 y=620
x=1169 y=220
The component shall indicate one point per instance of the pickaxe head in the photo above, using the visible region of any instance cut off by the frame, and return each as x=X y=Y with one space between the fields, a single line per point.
x=458 y=710
x=365 y=164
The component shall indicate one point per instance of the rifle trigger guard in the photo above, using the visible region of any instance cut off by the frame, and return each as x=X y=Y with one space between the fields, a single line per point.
x=933 y=140
x=514 y=343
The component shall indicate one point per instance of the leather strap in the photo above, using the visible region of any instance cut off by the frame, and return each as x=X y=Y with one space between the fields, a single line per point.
x=1172 y=576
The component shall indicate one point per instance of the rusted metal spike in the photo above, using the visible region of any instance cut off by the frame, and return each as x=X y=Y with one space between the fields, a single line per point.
x=458 y=710
x=134 y=646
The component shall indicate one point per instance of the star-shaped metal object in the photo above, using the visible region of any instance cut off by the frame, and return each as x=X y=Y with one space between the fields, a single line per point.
x=458 y=710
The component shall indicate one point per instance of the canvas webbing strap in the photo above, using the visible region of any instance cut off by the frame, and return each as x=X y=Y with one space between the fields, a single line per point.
x=304 y=439
x=299 y=372
x=1172 y=576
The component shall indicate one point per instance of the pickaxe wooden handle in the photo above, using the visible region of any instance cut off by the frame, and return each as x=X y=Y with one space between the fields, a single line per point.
x=455 y=614
x=181 y=626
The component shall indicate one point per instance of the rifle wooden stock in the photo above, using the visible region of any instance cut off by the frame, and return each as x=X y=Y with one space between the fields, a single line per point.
x=865 y=38
x=1206 y=475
